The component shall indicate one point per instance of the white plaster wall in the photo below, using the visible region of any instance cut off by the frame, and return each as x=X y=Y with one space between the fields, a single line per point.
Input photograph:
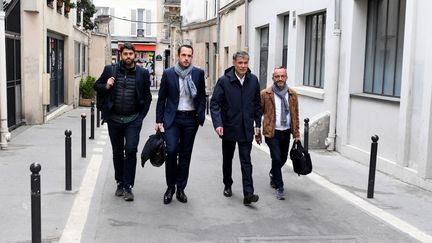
x=192 y=11
x=123 y=10
x=404 y=127
x=228 y=36
x=34 y=29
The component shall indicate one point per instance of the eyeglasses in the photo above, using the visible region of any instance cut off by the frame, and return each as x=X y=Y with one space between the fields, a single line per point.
x=279 y=76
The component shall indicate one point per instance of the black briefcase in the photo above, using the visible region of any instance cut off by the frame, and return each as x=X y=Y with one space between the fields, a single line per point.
x=301 y=159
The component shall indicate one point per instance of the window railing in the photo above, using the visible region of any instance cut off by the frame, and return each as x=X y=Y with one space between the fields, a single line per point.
x=172 y=2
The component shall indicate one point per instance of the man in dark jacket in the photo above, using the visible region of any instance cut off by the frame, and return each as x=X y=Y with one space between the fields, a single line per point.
x=127 y=98
x=235 y=106
x=180 y=109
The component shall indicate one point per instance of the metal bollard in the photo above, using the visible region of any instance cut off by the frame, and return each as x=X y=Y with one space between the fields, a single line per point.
x=372 y=166
x=35 y=203
x=306 y=134
x=207 y=104
x=83 y=135
x=92 y=120
x=68 y=160
x=98 y=118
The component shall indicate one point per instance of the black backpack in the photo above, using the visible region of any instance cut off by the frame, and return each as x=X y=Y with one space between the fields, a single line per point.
x=101 y=97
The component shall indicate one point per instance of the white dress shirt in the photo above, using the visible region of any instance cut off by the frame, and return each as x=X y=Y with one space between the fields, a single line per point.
x=278 y=114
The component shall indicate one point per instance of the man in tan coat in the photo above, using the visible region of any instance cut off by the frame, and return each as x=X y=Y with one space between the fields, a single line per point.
x=281 y=119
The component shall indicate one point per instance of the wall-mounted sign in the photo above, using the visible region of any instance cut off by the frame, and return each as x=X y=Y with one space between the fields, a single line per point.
x=158 y=57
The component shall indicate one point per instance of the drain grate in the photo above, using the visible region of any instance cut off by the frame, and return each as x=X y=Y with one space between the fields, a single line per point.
x=302 y=239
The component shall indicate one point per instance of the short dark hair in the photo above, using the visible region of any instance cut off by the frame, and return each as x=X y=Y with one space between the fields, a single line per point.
x=240 y=54
x=127 y=45
x=184 y=45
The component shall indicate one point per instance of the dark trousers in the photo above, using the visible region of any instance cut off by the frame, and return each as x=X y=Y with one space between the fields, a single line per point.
x=179 y=139
x=279 y=146
x=244 y=149
x=124 y=141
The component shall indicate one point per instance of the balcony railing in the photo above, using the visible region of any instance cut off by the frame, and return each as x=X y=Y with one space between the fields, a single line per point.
x=172 y=2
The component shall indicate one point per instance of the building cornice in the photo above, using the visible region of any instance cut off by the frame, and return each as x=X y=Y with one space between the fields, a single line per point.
x=199 y=25
x=231 y=6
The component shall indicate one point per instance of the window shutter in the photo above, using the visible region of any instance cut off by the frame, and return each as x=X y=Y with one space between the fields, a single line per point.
x=148 y=25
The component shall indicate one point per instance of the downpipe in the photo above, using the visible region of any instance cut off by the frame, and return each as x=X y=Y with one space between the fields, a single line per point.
x=330 y=141
x=4 y=130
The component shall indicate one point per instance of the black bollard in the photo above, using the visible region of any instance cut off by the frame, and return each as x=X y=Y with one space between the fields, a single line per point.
x=207 y=104
x=68 y=160
x=35 y=203
x=83 y=135
x=306 y=134
x=92 y=120
x=97 y=118
x=372 y=166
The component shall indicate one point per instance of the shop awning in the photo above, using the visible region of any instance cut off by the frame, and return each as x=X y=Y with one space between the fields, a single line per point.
x=142 y=47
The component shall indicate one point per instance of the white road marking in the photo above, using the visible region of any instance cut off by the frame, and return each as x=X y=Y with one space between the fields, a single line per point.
x=78 y=215
x=364 y=205
x=98 y=150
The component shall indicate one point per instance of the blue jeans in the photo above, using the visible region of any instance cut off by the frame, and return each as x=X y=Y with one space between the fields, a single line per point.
x=279 y=146
x=244 y=149
x=124 y=141
x=179 y=140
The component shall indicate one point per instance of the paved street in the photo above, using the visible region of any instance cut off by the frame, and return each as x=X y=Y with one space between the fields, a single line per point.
x=329 y=205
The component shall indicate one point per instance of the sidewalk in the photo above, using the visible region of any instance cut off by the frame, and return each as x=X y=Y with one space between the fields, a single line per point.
x=345 y=179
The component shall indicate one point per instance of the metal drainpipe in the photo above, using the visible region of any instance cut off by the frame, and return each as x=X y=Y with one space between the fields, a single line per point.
x=217 y=39
x=4 y=131
x=246 y=30
x=334 y=77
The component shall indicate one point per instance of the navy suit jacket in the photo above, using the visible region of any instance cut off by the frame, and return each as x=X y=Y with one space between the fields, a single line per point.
x=169 y=96
x=236 y=107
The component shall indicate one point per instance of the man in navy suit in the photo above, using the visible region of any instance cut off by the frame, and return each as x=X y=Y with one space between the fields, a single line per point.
x=179 y=111
x=235 y=107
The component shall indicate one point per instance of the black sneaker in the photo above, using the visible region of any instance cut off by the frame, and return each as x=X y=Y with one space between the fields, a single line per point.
x=250 y=198
x=120 y=190
x=227 y=192
x=128 y=194
x=272 y=185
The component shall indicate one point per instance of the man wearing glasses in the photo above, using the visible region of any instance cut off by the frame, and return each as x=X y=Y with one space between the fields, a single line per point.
x=281 y=119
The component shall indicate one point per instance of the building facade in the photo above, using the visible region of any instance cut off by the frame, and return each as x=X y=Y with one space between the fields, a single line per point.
x=360 y=68
x=216 y=29
x=199 y=29
x=148 y=24
x=46 y=52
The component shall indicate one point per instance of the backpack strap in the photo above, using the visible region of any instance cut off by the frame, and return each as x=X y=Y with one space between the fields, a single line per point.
x=114 y=71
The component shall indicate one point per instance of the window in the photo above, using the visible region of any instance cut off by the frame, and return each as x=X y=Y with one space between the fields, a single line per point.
x=384 y=47
x=285 y=41
x=140 y=31
x=226 y=57
x=148 y=25
x=207 y=61
x=84 y=56
x=314 y=62
x=215 y=52
x=77 y=58
x=239 y=37
x=102 y=11
x=133 y=23
x=264 y=42
x=112 y=21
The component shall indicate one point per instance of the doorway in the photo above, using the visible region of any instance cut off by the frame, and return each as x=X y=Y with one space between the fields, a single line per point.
x=55 y=67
